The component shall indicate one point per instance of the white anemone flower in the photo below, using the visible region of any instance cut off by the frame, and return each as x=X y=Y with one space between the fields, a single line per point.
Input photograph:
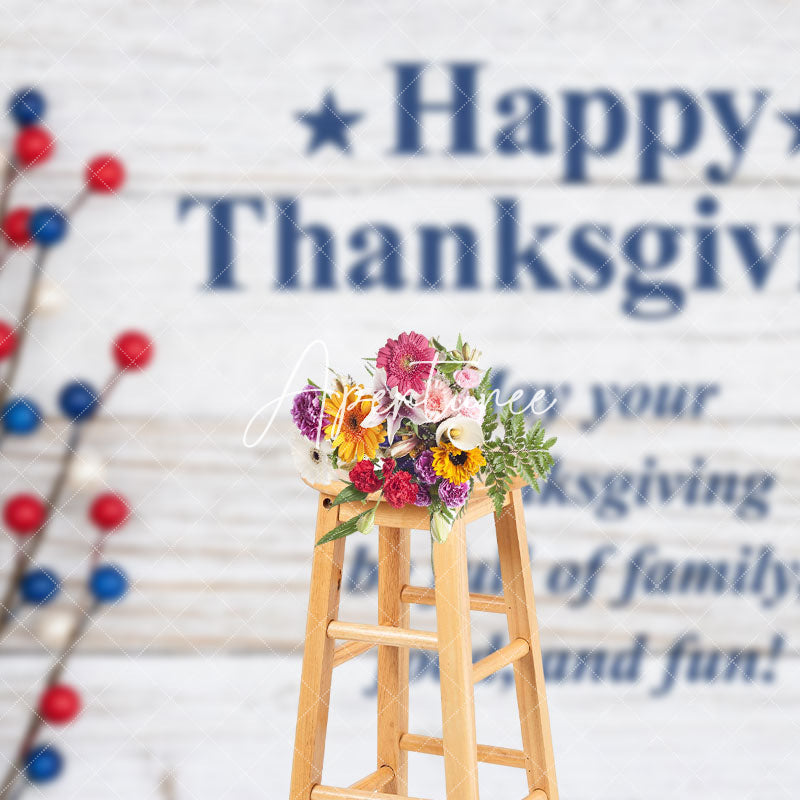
x=312 y=462
x=463 y=432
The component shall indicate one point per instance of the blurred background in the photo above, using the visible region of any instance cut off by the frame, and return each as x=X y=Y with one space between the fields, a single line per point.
x=602 y=197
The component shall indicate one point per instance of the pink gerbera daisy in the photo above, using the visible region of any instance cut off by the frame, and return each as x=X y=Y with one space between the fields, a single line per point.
x=408 y=361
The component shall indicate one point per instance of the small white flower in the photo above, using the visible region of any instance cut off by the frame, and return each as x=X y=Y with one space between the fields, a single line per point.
x=462 y=432
x=312 y=462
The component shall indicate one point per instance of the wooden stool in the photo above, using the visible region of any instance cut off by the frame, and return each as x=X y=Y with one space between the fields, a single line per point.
x=452 y=641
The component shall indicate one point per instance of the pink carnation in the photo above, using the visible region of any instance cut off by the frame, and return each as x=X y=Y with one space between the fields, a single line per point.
x=408 y=361
x=468 y=406
x=467 y=378
x=437 y=402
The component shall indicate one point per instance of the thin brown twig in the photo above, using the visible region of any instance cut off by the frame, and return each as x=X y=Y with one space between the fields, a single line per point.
x=84 y=617
x=77 y=202
x=28 y=551
x=29 y=306
x=28 y=309
x=10 y=175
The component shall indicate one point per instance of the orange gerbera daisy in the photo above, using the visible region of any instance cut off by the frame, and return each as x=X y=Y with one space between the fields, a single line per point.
x=347 y=410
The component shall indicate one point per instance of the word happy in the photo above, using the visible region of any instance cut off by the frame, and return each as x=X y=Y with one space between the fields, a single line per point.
x=650 y=267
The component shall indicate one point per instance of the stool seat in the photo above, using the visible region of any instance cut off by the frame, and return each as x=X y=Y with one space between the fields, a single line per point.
x=412 y=517
x=451 y=642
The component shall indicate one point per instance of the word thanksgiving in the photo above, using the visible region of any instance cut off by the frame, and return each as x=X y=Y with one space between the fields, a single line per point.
x=649 y=266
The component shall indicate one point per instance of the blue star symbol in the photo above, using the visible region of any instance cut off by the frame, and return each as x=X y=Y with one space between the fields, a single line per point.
x=793 y=120
x=329 y=124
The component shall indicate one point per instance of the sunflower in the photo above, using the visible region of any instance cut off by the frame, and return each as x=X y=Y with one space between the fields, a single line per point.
x=457 y=466
x=347 y=410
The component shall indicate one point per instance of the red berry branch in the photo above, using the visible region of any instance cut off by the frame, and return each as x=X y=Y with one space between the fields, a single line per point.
x=26 y=515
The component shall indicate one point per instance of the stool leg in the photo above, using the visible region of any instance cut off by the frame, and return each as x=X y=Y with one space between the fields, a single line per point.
x=512 y=546
x=455 y=666
x=315 y=681
x=393 y=573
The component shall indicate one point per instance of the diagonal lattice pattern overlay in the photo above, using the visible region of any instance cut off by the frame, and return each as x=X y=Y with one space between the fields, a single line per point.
x=192 y=684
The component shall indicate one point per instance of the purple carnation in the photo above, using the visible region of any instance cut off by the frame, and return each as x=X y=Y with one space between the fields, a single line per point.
x=423 y=466
x=307 y=410
x=454 y=495
x=423 y=498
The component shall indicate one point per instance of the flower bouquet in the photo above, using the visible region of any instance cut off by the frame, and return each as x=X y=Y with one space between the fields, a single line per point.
x=425 y=432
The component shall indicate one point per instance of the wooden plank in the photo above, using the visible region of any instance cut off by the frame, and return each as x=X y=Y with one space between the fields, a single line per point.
x=344 y=652
x=315 y=681
x=420 y=595
x=411 y=517
x=480 y=505
x=385 y=635
x=455 y=665
x=512 y=546
x=489 y=754
x=376 y=781
x=332 y=793
x=500 y=658
x=479 y=490
x=394 y=567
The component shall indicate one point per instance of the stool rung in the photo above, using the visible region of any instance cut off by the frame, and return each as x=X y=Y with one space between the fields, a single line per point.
x=537 y=794
x=419 y=595
x=375 y=781
x=383 y=634
x=500 y=658
x=320 y=792
x=504 y=756
x=345 y=652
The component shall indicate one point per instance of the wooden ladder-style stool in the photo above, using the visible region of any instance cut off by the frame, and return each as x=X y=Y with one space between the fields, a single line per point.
x=452 y=642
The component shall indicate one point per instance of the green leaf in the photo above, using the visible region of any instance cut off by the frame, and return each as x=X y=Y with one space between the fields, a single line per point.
x=345 y=529
x=485 y=385
x=348 y=495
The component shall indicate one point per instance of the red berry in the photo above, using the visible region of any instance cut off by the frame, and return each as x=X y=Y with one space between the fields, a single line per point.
x=24 y=514
x=16 y=227
x=59 y=705
x=34 y=145
x=109 y=511
x=105 y=174
x=8 y=340
x=133 y=350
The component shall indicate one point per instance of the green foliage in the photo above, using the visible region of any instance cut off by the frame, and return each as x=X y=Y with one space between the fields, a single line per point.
x=438 y=507
x=345 y=528
x=483 y=392
x=517 y=452
x=450 y=361
x=348 y=495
